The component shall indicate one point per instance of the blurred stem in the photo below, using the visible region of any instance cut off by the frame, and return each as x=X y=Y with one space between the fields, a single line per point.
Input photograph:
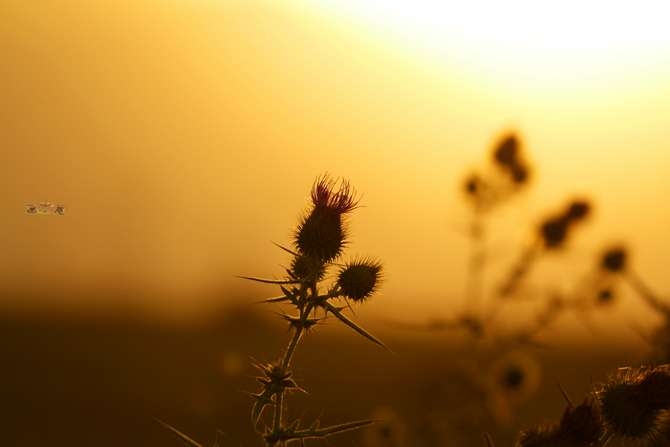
x=474 y=281
x=647 y=294
x=519 y=270
x=513 y=279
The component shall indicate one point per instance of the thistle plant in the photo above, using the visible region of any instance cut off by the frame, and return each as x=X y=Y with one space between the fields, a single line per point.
x=320 y=238
x=629 y=409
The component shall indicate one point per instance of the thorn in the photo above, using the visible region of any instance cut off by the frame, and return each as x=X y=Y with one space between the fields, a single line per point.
x=565 y=394
x=269 y=281
x=288 y=250
x=181 y=435
x=339 y=315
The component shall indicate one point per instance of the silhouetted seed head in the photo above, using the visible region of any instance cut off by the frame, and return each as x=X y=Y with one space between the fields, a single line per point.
x=582 y=424
x=554 y=232
x=307 y=268
x=321 y=233
x=359 y=279
x=614 y=259
x=507 y=151
x=633 y=403
x=578 y=210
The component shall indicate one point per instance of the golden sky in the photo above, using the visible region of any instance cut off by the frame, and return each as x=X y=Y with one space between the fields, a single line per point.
x=183 y=136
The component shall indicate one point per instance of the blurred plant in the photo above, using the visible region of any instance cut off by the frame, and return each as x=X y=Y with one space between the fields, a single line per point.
x=631 y=408
x=504 y=373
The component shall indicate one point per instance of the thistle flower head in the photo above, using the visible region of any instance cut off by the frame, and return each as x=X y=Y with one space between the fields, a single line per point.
x=359 y=279
x=634 y=403
x=321 y=233
x=614 y=259
x=327 y=195
x=578 y=210
x=582 y=423
x=554 y=231
x=506 y=153
x=580 y=426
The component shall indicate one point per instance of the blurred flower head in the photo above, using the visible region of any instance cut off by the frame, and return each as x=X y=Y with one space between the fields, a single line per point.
x=554 y=230
x=506 y=152
x=614 y=259
x=578 y=210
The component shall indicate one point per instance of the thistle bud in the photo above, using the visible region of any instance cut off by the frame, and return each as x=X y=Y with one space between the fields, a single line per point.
x=507 y=151
x=307 y=268
x=321 y=234
x=578 y=210
x=633 y=403
x=614 y=260
x=554 y=232
x=359 y=279
x=582 y=424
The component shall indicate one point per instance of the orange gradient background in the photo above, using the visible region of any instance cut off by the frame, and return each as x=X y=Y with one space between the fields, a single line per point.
x=183 y=136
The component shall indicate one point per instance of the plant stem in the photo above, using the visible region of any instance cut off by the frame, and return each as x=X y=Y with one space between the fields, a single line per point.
x=647 y=294
x=288 y=356
x=474 y=281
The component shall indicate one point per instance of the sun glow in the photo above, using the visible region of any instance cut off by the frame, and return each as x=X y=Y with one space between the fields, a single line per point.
x=564 y=40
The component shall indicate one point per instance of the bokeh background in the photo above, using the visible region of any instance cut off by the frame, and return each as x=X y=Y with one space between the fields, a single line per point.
x=183 y=137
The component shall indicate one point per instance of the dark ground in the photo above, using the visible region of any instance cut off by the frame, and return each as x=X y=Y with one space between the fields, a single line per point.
x=73 y=381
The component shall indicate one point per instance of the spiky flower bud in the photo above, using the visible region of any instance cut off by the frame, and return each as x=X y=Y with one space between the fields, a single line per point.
x=633 y=402
x=359 y=279
x=555 y=230
x=582 y=424
x=507 y=151
x=614 y=259
x=321 y=233
x=307 y=268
